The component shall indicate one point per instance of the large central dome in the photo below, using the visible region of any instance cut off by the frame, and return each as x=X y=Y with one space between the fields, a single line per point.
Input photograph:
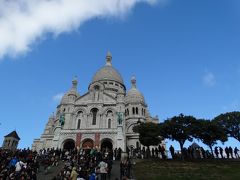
x=108 y=72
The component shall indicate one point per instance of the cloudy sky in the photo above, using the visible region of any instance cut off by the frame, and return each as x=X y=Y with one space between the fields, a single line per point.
x=185 y=55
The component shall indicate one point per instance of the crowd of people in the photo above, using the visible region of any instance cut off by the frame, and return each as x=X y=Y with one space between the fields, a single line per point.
x=20 y=164
x=86 y=164
x=92 y=164
x=82 y=164
x=148 y=152
x=228 y=151
x=197 y=152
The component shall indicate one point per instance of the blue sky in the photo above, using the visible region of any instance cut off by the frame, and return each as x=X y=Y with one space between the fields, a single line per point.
x=185 y=55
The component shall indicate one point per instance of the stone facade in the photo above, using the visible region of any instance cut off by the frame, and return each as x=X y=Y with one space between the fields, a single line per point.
x=104 y=117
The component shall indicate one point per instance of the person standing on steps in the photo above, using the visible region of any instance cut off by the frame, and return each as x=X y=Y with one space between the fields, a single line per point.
x=216 y=152
x=227 y=152
x=231 y=151
x=171 y=149
x=103 y=169
x=221 y=152
x=74 y=174
x=236 y=152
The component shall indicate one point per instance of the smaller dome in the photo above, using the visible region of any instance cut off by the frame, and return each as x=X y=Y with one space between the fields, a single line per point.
x=72 y=94
x=134 y=95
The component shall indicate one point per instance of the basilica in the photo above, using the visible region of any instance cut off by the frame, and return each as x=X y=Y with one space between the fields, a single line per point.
x=103 y=117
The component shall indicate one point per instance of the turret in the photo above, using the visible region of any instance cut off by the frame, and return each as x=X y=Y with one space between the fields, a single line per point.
x=135 y=103
x=72 y=94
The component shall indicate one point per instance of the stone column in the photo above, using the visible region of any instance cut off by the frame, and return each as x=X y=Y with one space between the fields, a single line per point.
x=97 y=140
x=78 y=139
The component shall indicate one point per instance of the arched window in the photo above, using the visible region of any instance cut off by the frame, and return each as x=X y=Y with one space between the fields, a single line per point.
x=97 y=87
x=133 y=110
x=79 y=124
x=94 y=112
x=109 y=124
x=127 y=112
x=80 y=113
x=136 y=110
x=109 y=113
x=142 y=112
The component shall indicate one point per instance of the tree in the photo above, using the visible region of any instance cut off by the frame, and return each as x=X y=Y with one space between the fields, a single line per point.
x=178 y=128
x=209 y=132
x=148 y=134
x=231 y=123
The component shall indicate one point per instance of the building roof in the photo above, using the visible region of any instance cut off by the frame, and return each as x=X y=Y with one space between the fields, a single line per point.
x=13 y=134
x=195 y=145
x=108 y=72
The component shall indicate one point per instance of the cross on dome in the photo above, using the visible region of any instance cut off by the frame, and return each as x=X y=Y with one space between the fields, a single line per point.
x=134 y=82
x=75 y=82
x=109 y=59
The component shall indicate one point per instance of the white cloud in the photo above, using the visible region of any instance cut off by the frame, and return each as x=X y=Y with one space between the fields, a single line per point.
x=58 y=97
x=22 y=22
x=209 y=79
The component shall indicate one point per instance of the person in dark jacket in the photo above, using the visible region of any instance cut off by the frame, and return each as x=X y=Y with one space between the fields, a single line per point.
x=227 y=152
x=216 y=151
x=236 y=152
x=221 y=152
x=231 y=151
x=171 y=149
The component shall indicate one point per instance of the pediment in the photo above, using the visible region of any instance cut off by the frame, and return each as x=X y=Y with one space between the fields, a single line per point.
x=84 y=99
x=88 y=98
x=108 y=99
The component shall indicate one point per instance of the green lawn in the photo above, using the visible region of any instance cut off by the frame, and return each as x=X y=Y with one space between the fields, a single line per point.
x=165 y=170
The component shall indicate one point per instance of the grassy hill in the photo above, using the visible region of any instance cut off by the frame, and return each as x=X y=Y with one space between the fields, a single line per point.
x=174 y=170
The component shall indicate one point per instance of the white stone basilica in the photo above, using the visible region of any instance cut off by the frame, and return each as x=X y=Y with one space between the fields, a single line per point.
x=103 y=117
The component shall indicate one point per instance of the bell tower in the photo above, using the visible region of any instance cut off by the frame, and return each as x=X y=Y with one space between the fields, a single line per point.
x=11 y=141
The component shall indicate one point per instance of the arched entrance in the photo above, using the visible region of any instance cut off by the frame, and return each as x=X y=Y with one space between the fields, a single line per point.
x=88 y=144
x=69 y=144
x=106 y=144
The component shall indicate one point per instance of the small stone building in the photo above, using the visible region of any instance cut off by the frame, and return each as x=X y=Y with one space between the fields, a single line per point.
x=11 y=141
